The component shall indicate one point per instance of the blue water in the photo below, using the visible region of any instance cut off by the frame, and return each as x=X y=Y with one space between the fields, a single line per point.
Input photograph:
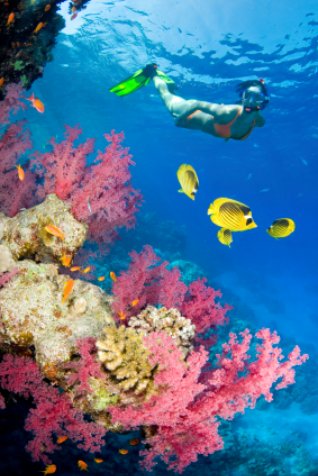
x=208 y=47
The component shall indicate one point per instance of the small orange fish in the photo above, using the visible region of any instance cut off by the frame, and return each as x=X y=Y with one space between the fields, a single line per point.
x=11 y=18
x=47 y=7
x=113 y=276
x=61 y=439
x=21 y=174
x=39 y=27
x=75 y=268
x=1 y=81
x=98 y=460
x=134 y=302
x=101 y=278
x=123 y=451
x=66 y=260
x=86 y=270
x=134 y=442
x=36 y=103
x=55 y=231
x=121 y=315
x=49 y=469
x=67 y=289
x=82 y=465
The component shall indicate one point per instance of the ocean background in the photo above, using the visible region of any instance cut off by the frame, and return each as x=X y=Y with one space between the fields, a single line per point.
x=208 y=47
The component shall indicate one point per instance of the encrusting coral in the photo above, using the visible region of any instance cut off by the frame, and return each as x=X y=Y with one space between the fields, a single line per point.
x=123 y=354
x=32 y=308
x=170 y=321
x=26 y=237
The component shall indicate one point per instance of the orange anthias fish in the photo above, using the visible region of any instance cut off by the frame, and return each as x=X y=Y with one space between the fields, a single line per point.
x=121 y=315
x=113 y=276
x=39 y=27
x=101 y=278
x=75 y=268
x=1 y=81
x=36 y=103
x=98 y=460
x=123 y=451
x=134 y=442
x=67 y=289
x=49 y=469
x=86 y=270
x=61 y=439
x=82 y=465
x=11 y=18
x=55 y=231
x=66 y=260
x=47 y=7
x=134 y=302
x=21 y=174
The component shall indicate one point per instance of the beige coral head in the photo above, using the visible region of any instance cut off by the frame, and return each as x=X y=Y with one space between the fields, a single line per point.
x=170 y=321
x=125 y=358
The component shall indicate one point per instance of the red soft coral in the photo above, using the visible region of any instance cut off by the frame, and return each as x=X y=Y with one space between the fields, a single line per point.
x=99 y=194
x=11 y=103
x=149 y=281
x=185 y=411
x=53 y=414
x=201 y=307
x=13 y=143
x=84 y=368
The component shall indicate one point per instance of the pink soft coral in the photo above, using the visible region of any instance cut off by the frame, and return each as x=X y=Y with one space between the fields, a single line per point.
x=11 y=103
x=149 y=281
x=13 y=143
x=53 y=414
x=100 y=194
x=186 y=410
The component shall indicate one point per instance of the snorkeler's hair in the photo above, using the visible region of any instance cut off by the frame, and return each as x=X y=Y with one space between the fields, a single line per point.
x=258 y=83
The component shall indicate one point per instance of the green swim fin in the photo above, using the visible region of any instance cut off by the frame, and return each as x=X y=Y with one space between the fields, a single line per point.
x=138 y=80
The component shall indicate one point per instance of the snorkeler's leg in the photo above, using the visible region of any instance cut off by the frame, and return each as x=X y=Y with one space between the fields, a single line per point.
x=176 y=105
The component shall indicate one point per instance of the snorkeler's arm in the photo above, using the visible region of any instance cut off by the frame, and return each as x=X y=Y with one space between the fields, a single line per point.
x=223 y=113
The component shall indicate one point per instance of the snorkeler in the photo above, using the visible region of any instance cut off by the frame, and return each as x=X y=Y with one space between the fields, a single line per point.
x=233 y=121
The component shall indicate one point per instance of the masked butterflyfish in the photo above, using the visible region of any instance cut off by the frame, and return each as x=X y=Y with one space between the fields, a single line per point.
x=281 y=228
x=225 y=236
x=231 y=214
x=188 y=180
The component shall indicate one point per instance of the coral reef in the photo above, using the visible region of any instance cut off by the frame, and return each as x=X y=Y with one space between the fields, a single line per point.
x=31 y=306
x=170 y=321
x=28 y=31
x=65 y=349
x=123 y=354
x=25 y=234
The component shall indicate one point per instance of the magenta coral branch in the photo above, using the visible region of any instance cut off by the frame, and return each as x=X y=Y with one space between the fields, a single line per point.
x=13 y=144
x=186 y=411
x=100 y=194
x=149 y=280
x=53 y=414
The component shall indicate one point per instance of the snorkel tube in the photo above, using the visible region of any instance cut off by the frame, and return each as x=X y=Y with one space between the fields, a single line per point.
x=254 y=95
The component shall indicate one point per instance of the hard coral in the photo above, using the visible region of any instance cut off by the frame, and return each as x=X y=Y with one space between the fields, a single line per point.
x=170 y=321
x=26 y=237
x=123 y=354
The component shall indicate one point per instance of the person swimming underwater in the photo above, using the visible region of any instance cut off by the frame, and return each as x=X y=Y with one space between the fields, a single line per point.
x=233 y=121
